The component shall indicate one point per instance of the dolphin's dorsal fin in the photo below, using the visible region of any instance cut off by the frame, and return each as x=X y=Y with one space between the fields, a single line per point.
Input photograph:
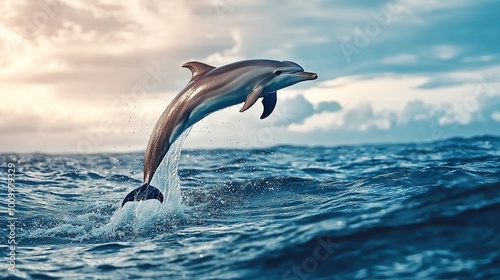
x=198 y=69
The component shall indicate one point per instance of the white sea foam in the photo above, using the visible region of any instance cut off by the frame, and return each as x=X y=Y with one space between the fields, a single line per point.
x=146 y=215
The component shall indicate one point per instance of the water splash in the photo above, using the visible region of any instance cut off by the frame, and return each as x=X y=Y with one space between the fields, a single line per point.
x=148 y=215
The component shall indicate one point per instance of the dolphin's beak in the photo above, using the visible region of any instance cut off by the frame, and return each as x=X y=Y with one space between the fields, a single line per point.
x=306 y=75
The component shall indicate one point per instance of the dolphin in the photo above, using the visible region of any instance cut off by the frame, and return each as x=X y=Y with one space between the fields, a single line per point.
x=211 y=89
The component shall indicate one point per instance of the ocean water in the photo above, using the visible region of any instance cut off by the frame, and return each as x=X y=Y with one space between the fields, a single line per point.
x=407 y=211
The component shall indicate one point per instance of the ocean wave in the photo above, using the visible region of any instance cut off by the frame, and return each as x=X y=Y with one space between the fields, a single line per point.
x=418 y=210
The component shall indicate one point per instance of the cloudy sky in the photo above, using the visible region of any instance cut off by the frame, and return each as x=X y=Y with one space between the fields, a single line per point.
x=80 y=77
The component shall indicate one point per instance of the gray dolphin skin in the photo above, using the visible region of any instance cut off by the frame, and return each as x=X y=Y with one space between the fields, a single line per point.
x=212 y=89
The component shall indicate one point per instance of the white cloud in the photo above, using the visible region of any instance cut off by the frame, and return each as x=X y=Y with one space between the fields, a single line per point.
x=446 y=52
x=230 y=55
x=496 y=116
x=328 y=106
x=482 y=58
x=400 y=59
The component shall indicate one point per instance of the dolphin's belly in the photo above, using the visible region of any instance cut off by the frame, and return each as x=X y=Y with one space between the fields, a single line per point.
x=213 y=104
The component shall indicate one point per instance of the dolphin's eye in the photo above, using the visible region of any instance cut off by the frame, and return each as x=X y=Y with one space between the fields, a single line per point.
x=277 y=72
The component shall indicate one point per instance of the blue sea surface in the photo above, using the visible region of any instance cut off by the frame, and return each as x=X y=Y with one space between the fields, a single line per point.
x=405 y=211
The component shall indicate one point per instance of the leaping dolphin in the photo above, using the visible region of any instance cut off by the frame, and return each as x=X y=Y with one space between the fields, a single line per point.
x=212 y=89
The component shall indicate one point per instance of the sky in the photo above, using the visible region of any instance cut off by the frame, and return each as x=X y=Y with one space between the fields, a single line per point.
x=94 y=76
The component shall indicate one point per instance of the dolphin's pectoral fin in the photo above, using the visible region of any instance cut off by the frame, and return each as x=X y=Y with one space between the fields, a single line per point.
x=143 y=192
x=269 y=102
x=251 y=98
x=198 y=69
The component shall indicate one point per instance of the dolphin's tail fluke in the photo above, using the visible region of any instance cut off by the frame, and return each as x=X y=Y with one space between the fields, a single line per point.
x=143 y=192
